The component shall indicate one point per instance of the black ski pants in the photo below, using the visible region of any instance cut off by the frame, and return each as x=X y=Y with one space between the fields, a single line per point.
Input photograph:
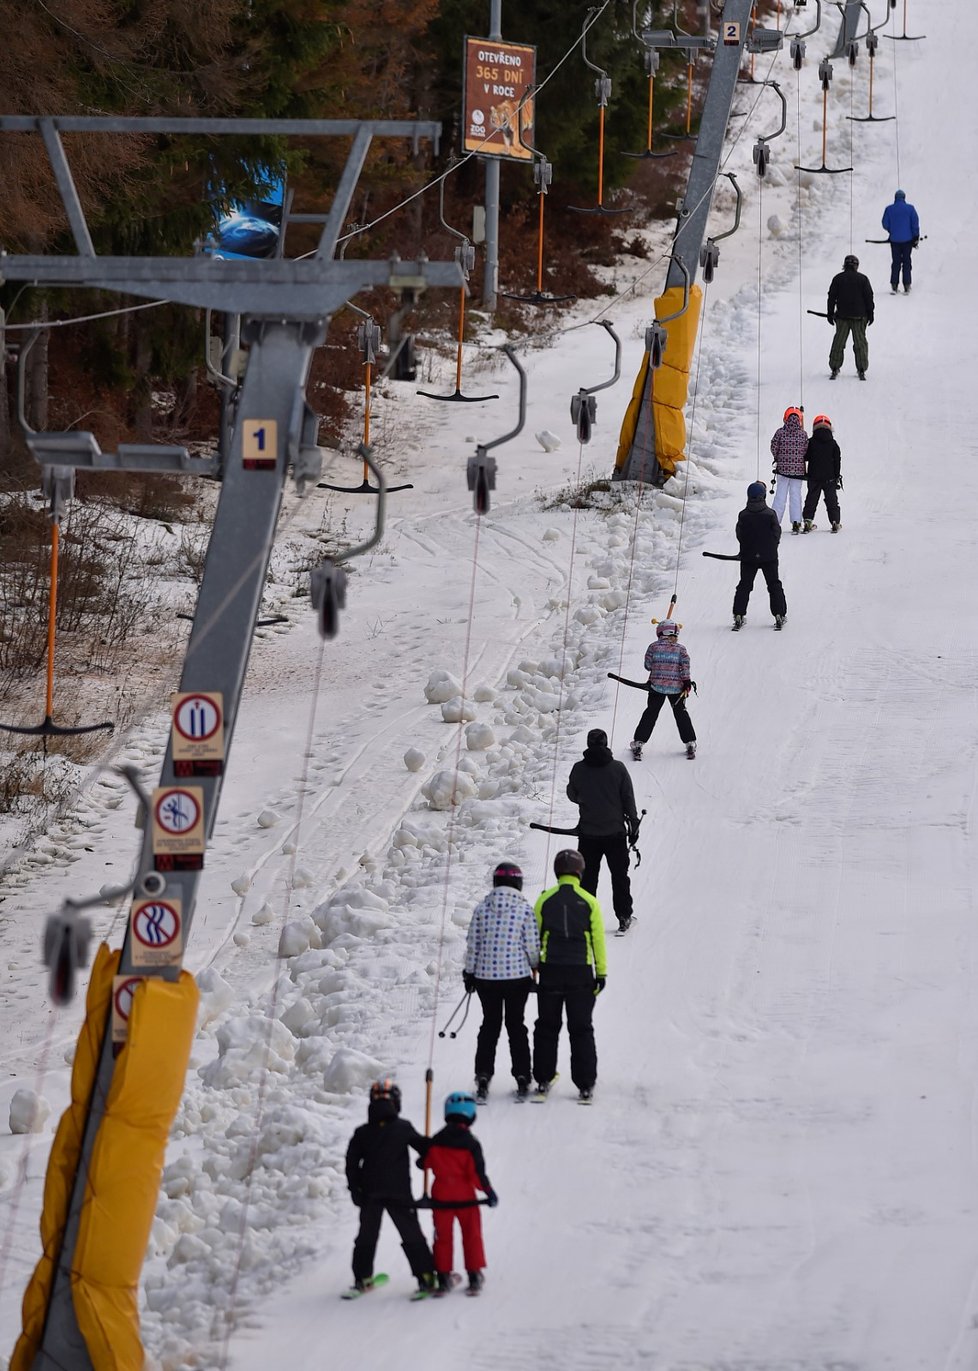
x=816 y=489
x=775 y=590
x=405 y=1218
x=578 y=1001
x=683 y=722
x=499 y=999
x=614 y=847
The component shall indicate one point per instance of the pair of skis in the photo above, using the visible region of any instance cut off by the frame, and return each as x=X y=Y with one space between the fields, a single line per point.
x=542 y=1093
x=381 y=1279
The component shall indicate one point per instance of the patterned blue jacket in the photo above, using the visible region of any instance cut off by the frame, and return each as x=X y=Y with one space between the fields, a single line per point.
x=503 y=942
x=667 y=663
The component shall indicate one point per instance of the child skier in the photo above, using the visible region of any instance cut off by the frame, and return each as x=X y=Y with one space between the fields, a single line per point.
x=379 y=1178
x=788 y=448
x=455 y=1159
x=824 y=473
x=667 y=662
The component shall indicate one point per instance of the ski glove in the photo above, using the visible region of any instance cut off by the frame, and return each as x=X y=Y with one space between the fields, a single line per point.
x=915 y=243
x=599 y=984
x=838 y=483
x=492 y=1199
x=870 y=320
x=830 y=317
x=468 y=980
x=357 y=1196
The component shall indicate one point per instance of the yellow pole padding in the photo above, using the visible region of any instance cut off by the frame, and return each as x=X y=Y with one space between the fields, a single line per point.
x=124 y=1175
x=124 y=1172
x=63 y=1160
x=670 y=382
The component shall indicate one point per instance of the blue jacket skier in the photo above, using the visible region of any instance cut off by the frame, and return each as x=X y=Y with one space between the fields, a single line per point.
x=902 y=224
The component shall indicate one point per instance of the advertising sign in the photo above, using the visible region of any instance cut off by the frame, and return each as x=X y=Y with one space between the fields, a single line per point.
x=497 y=77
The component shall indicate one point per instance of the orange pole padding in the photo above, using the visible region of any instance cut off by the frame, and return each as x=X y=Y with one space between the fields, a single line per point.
x=461 y=335
x=541 y=198
x=52 y=616
x=601 y=155
x=689 y=97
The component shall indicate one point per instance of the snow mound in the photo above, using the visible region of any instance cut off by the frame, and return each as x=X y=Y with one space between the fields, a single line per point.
x=441 y=686
x=457 y=710
x=548 y=440
x=268 y=818
x=478 y=737
x=447 y=788
x=414 y=760
x=28 y=1111
x=350 y=1070
x=298 y=935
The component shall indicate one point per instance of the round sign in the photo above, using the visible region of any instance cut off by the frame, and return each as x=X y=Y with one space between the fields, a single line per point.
x=197 y=718
x=156 y=925
x=177 y=812
x=123 y=996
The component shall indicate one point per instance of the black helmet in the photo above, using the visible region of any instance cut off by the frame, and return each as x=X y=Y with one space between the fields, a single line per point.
x=508 y=873
x=569 y=862
x=851 y=261
x=386 y=1090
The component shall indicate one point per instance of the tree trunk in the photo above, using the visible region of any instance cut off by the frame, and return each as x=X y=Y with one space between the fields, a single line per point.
x=36 y=400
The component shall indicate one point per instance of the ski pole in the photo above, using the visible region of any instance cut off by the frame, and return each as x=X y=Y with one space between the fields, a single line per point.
x=466 y=1000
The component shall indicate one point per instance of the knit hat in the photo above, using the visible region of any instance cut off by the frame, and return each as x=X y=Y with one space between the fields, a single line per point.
x=756 y=490
x=597 y=738
x=667 y=629
x=899 y=195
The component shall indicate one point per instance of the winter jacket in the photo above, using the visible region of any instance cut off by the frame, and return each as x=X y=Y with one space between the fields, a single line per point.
x=824 y=456
x=901 y=222
x=788 y=447
x=602 y=787
x=455 y=1160
x=502 y=943
x=377 y=1157
x=572 y=947
x=758 y=532
x=667 y=662
x=850 y=296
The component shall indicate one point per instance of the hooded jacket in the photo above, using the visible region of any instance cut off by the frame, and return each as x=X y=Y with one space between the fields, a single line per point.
x=901 y=222
x=377 y=1160
x=572 y=946
x=788 y=447
x=667 y=662
x=824 y=456
x=850 y=296
x=455 y=1160
x=502 y=942
x=602 y=788
x=758 y=532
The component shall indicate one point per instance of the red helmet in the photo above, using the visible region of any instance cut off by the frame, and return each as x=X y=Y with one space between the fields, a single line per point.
x=822 y=421
x=792 y=409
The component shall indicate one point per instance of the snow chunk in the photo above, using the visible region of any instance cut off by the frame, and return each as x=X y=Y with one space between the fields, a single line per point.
x=547 y=440
x=247 y=1047
x=414 y=760
x=478 y=737
x=447 y=788
x=298 y=935
x=241 y=885
x=300 y=1018
x=775 y=225
x=350 y=1070
x=268 y=818
x=484 y=694
x=550 y=535
x=456 y=710
x=28 y=1111
x=265 y=915
x=216 y=996
x=241 y=938
x=441 y=686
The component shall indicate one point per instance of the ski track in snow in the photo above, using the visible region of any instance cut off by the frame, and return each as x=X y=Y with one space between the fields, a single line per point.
x=779 y=1170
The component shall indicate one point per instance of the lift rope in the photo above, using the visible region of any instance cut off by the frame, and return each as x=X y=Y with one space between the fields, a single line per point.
x=760 y=254
x=798 y=235
x=896 y=106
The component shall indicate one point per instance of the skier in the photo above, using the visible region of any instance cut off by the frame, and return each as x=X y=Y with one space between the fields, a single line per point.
x=667 y=662
x=851 y=309
x=902 y=224
x=602 y=788
x=573 y=972
x=824 y=473
x=455 y=1159
x=788 y=448
x=758 y=533
x=502 y=952
x=379 y=1179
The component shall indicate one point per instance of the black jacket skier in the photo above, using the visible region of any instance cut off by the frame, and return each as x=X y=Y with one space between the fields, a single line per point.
x=758 y=533
x=602 y=788
x=824 y=474
x=850 y=310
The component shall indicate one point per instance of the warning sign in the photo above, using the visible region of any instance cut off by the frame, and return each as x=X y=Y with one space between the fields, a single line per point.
x=123 y=989
x=197 y=733
x=498 y=105
x=178 y=828
x=259 y=444
x=157 y=932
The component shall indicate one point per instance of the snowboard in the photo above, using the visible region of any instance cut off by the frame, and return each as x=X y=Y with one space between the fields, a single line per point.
x=374 y=1283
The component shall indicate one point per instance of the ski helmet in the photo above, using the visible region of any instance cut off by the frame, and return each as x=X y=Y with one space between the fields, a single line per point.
x=851 y=261
x=597 y=738
x=822 y=421
x=569 y=862
x=460 y=1105
x=793 y=409
x=386 y=1090
x=508 y=873
x=756 y=490
x=667 y=629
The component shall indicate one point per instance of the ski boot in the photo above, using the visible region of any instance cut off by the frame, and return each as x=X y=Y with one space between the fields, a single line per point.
x=585 y=1095
x=636 y=748
x=691 y=749
x=894 y=290
x=833 y=373
x=796 y=526
x=624 y=924
x=809 y=525
x=906 y=290
x=738 y=622
x=481 y=1089
x=836 y=526
x=861 y=375
x=476 y=1281
x=522 y=1087
x=779 y=621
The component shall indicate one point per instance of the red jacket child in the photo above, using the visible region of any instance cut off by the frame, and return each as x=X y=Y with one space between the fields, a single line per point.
x=456 y=1162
